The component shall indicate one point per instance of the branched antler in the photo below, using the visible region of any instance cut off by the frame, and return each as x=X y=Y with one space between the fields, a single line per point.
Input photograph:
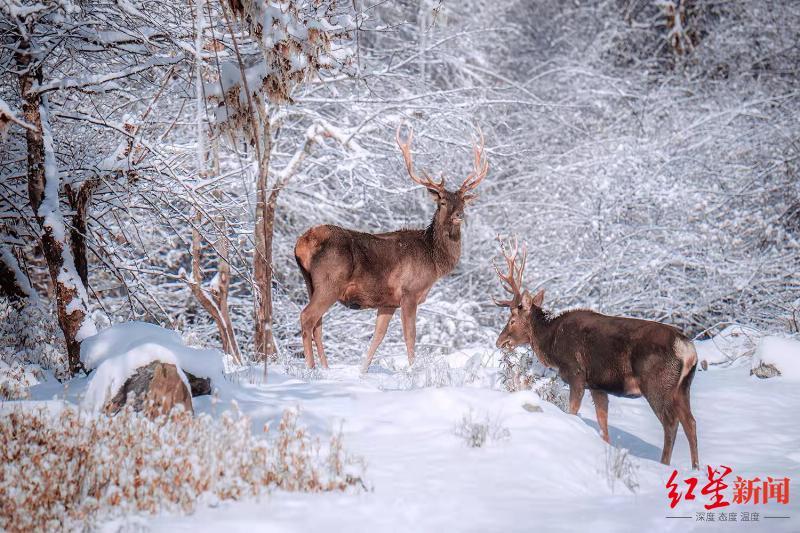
x=405 y=148
x=481 y=168
x=511 y=282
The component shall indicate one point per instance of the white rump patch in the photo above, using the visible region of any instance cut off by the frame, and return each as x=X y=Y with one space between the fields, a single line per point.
x=685 y=351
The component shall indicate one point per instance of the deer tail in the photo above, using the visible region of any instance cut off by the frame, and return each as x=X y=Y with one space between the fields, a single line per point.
x=685 y=351
x=306 y=276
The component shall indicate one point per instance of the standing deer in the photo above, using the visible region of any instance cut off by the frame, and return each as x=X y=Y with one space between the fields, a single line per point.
x=606 y=354
x=384 y=271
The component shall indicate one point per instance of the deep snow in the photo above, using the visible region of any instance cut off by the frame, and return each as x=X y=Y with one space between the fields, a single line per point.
x=549 y=476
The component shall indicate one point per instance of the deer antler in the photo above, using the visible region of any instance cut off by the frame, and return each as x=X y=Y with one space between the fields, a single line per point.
x=511 y=282
x=481 y=168
x=405 y=148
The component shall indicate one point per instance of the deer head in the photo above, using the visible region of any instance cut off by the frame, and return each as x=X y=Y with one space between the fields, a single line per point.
x=518 y=328
x=450 y=205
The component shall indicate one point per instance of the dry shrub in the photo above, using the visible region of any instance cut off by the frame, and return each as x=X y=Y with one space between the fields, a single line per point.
x=476 y=431
x=765 y=371
x=67 y=468
x=16 y=378
x=552 y=390
x=619 y=467
x=521 y=371
x=517 y=371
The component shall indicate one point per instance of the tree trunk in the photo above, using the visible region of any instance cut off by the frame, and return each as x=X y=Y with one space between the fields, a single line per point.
x=80 y=202
x=44 y=196
x=262 y=258
x=217 y=305
x=265 y=232
x=221 y=295
x=14 y=284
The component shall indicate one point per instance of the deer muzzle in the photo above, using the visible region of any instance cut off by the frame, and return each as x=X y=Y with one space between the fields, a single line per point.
x=503 y=342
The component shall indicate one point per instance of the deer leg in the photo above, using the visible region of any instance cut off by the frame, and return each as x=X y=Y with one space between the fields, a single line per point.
x=575 y=397
x=317 y=334
x=309 y=317
x=670 y=424
x=689 y=426
x=670 y=430
x=408 y=314
x=381 y=325
x=308 y=349
x=664 y=408
x=600 y=399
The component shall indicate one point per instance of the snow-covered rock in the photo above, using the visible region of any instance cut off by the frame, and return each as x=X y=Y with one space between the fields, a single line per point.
x=117 y=352
x=154 y=389
x=781 y=353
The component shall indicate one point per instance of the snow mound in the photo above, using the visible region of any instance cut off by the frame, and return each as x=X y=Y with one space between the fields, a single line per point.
x=727 y=346
x=116 y=353
x=781 y=352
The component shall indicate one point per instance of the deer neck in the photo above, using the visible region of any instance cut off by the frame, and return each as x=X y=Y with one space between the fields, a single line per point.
x=542 y=335
x=444 y=239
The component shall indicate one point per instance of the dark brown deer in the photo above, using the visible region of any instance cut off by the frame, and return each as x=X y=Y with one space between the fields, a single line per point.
x=383 y=271
x=605 y=354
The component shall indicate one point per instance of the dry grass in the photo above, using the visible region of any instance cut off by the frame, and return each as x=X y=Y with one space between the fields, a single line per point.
x=477 y=431
x=620 y=468
x=66 y=468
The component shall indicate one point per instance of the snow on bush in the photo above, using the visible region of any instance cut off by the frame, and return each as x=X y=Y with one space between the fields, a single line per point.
x=552 y=389
x=433 y=370
x=17 y=378
x=116 y=353
x=30 y=342
x=777 y=356
x=451 y=324
x=517 y=370
x=477 y=431
x=521 y=370
x=728 y=345
x=64 y=469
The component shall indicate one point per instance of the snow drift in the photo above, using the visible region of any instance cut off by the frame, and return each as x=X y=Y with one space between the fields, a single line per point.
x=782 y=353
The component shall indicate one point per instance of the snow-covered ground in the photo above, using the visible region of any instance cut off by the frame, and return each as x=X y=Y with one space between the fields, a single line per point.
x=547 y=470
x=550 y=474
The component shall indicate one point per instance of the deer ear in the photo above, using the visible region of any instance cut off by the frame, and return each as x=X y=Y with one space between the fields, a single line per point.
x=538 y=300
x=527 y=301
x=436 y=194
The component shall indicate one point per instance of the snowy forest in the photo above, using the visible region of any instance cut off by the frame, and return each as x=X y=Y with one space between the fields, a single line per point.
x=160 y=160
